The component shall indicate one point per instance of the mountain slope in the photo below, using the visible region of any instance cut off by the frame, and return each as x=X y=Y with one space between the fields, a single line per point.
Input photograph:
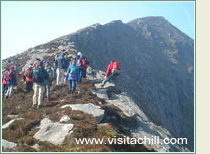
x=157 y=62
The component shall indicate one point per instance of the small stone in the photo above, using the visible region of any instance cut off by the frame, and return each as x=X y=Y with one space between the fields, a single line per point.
x=65 y=118
x=10 y=122
x=8 y=145
x=87 y=108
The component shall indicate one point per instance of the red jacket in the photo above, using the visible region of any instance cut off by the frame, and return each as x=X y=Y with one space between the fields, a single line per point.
x=4 y=81
x=84 y=65
x=110 y=67
x=108 y=71
x=27 y=78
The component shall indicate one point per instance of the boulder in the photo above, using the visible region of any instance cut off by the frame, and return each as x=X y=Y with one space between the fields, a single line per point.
x=53 y=132
x=6 y=145
x=10 y=122
x=107 y=85
x=65 y=118
x=101 y=93
x=88 y=108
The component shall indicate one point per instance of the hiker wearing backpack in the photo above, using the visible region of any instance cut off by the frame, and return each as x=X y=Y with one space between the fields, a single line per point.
x=4 y=81
x=85 y=63
x=49 y=79
x=11 y=81
x=72 y=76
x=59 y=68
x=39 y=79
x=81 y=65
x=112 y=71
x=28 y=78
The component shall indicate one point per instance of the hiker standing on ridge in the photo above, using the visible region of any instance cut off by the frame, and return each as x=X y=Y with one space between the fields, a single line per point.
x=39 y=77
x=11 y=81
x=112 y=71
x=60 y=66
x=49 y=79
x=28 y=78
x=81 y=65
x=4 y=81
x=72 y=76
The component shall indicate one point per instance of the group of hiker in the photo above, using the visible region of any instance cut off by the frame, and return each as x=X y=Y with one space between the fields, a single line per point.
x=39 y=76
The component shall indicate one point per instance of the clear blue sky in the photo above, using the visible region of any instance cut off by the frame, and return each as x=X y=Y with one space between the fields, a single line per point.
x=27 y=24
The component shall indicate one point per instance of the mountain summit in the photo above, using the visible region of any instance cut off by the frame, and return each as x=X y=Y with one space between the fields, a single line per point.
x=157 y=66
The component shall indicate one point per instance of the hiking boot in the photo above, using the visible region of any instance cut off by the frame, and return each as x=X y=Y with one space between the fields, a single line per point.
x=39 y=106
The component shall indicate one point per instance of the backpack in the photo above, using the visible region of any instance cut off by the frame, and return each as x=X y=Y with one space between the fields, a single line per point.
x=30 y=74
x=38 y=75
x=79 y=63
x=61 y=62
x=5 y=75
x=116 y=65
x=10 y=76
x=73 y=70
x=50 y=74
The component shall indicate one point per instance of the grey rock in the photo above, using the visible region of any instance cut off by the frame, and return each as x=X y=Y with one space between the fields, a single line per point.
x=88 y=108
x=102 y=124
x=101 y=93
x=35 y=146
x=10 y=122
x=8 y=145
x=12 y=116
x=65 y=118
x=54 y=133
x=107 y=85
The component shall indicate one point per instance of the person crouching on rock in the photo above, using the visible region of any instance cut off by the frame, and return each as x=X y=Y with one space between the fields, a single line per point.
x=112 y=71
x=49 y=79
x=72 y=76
x=28 y=78
x=11 y=81
x=39 y=79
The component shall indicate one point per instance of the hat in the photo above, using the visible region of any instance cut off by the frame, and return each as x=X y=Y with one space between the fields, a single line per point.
x=12 y=67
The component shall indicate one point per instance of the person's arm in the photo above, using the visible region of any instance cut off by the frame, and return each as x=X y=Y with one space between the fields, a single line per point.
x=108 y=71
x=15 y=79
x=69 y=69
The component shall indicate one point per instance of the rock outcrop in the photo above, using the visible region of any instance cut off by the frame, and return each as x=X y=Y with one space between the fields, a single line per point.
x=53 y=132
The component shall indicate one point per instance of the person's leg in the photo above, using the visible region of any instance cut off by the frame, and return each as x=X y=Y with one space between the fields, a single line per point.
x=35 y=94
x=4 y=89
x=7 y=93
x=41 y=95
x=30 y=86
x=84 y=73
x=62 y=75
x=106 y=79
x=27 y=86
x=11 y=90
x=48 y=92
x=80 y=76
x=74 y=84
x=70 y=85
x=58 y=76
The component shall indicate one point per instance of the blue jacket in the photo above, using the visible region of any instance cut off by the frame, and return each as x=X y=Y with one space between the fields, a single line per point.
x=70 y=76
x=60 y=62
x=13 y=82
